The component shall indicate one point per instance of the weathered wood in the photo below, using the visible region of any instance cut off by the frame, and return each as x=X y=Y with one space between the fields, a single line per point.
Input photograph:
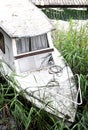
x=60 y=3
x=34 y=53
x=18 y=19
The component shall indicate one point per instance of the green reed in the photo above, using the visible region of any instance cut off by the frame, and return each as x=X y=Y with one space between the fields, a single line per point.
x=73 y=44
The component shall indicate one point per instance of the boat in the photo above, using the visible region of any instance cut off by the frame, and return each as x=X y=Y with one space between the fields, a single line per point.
x=27 y=50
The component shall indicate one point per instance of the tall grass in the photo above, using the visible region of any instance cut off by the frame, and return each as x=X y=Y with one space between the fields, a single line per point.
x=73 y=45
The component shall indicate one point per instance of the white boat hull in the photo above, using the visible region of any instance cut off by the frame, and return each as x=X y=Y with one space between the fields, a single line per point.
x=52 y=88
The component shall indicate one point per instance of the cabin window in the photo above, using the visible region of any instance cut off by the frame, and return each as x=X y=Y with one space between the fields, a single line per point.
x=32 y=44
x=2 y=45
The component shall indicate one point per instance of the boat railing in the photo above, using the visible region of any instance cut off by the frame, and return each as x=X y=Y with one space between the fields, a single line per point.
x=57 y=70
x=79 y=94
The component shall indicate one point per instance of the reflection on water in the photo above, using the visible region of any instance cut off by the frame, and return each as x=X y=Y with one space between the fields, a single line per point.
x=67 y=13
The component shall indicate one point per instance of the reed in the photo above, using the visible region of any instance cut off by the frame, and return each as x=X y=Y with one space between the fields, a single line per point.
x=73 y=45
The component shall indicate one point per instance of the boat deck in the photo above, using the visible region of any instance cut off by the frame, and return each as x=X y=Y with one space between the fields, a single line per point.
x=57 y=90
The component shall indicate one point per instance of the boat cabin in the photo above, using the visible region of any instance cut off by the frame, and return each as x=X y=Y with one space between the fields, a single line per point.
x=25 y=39
x=33 y=53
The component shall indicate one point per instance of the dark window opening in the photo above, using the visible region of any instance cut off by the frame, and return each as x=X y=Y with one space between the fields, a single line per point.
x=2 y=45
x=32 y=44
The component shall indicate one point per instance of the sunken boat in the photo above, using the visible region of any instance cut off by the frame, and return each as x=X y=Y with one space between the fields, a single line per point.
x=26 y=48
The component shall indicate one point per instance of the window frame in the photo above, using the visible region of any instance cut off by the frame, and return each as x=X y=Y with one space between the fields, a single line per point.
x=32 y=53
x=30 y=44
x=2 y=45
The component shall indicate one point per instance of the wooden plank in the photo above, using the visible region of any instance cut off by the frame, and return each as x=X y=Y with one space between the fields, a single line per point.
x=62 y=6
x=61 y=3
x=33 y=53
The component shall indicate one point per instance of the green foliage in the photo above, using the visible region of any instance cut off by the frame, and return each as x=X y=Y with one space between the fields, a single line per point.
x=66 y=13
x=73 y=45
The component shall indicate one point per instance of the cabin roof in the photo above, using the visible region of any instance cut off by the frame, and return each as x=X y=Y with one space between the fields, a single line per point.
x=61 y=3
x=20 y=18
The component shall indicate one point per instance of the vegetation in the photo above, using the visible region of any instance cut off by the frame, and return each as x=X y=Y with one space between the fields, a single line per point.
x=66 y=13
x=16 y=113
x=73 y=45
